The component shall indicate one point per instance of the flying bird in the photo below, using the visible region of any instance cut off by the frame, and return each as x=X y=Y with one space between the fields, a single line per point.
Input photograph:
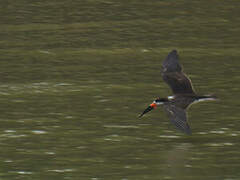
x=183 y=93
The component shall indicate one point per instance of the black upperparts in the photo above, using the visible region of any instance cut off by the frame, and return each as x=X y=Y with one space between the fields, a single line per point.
x=162 y=100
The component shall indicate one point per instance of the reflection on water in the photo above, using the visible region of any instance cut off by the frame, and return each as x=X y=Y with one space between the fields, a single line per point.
x=177 y=160
x=75 y=76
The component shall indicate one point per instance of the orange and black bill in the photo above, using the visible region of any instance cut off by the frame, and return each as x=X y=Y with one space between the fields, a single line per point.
x=149 y=108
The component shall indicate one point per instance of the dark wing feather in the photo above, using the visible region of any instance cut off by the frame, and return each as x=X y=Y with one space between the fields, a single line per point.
x=178 y=117
x=171 y=63
x=172 y=74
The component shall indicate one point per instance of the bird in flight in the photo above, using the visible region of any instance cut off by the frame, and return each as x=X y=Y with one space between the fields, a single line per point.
x=183 y=93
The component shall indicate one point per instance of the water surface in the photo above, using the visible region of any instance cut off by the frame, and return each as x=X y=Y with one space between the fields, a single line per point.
x=76 y=74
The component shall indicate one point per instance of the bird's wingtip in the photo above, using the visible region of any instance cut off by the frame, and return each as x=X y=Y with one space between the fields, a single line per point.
x=174 y=51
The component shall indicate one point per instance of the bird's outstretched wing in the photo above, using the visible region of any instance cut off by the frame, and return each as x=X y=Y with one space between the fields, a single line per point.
x=178 y=117
x=172 y=74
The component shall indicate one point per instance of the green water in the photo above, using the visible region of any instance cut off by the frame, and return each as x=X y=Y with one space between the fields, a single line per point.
x=74 y=76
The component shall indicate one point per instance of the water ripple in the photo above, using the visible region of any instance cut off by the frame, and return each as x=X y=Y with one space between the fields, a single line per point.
x=220 y=144
x=61 y=170
x=121 y=126
x=39 y=132
x=169 y=136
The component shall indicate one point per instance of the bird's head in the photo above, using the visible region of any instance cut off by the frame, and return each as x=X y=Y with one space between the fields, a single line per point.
x=154 y=104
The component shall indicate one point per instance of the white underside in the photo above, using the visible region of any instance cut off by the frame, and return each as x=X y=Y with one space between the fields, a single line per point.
x=200 y=100
x=170 y=97
x=205 y=99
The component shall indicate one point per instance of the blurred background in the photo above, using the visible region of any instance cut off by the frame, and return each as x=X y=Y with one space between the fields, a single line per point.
x=75 y=75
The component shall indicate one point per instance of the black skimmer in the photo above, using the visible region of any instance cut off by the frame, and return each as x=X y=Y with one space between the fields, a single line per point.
x=183 y=93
